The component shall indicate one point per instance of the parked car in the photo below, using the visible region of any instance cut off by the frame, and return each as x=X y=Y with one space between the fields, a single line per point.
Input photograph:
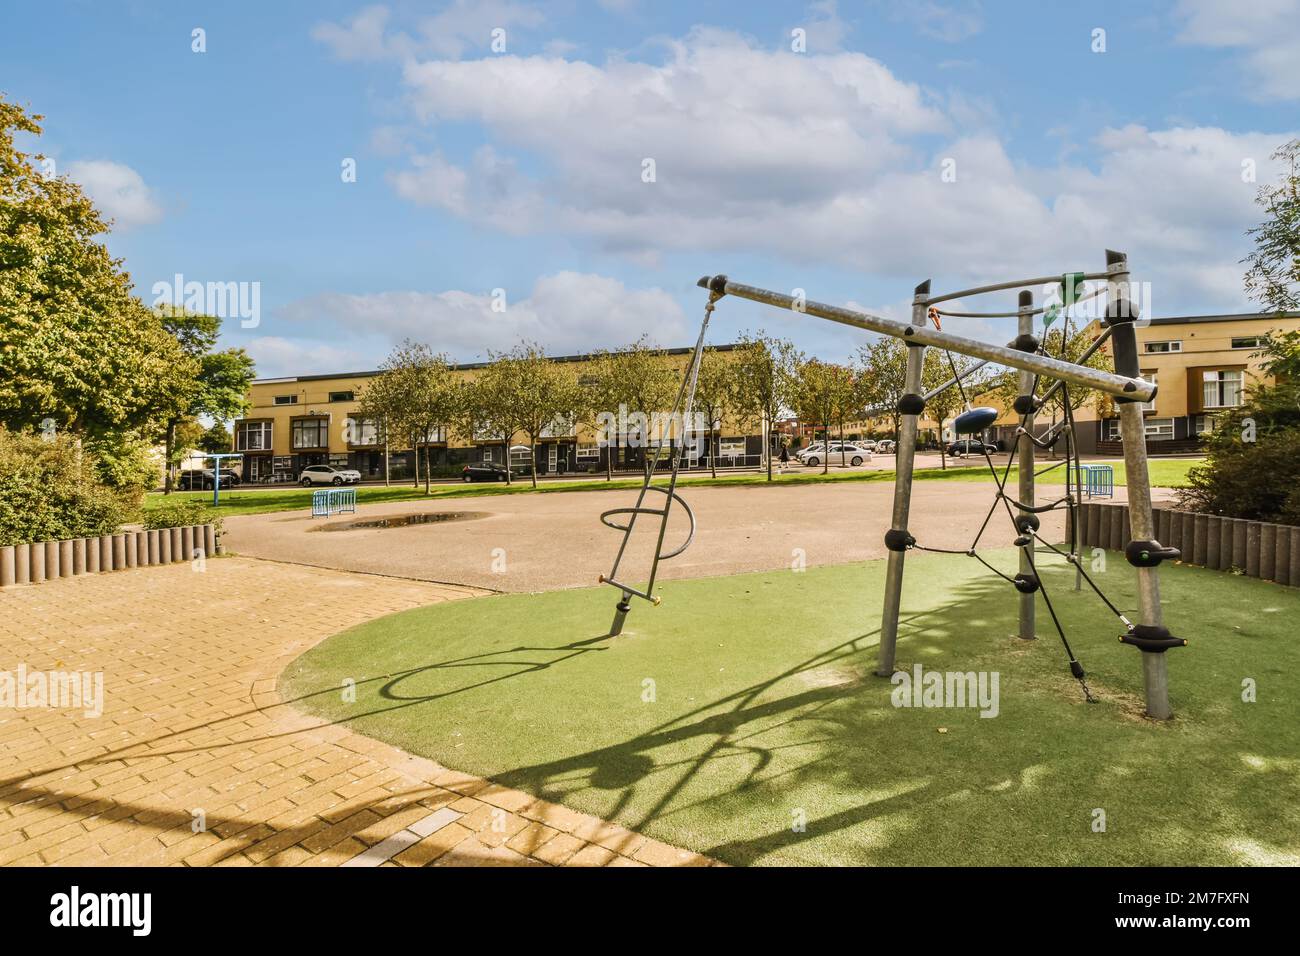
x=202 y=479
x=970 y=446
x=328 y=475
x=886 y=446
x=483 y=471
x=846 y=453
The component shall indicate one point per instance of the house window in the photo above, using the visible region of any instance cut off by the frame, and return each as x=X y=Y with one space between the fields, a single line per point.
x=1203 y=424
x=1162 y=348
x=253 y=436
x=1150 y=377
x=436 y=433
x=520 y=455
x=589 y=451
x=362 y=431
x=1159 y=429
x=1111 y=431
x=732 y=448
x=286 y=399
x=339 y=459
x=1221 y=389
x=1248 y=342
x=341 y=396
x=311 y=433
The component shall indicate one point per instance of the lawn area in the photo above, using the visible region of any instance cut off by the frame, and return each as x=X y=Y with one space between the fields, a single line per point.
x=261 y=500
x=764 y=712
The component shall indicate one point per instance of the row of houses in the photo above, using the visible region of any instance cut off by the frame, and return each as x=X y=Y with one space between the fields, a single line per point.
x=1202 y=364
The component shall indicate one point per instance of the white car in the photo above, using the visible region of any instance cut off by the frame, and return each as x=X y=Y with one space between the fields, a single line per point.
x=844 y=452
x=328 y=475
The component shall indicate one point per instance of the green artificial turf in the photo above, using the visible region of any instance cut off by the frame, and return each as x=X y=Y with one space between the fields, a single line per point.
x=261 y=500
x=744 y=706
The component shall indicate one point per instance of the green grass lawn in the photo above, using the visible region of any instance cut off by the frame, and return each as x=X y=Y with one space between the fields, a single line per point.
x=263 y=500
x=765 y=712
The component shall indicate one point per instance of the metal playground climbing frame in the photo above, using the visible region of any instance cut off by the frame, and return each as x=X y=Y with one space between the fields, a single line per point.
x=1027 y=354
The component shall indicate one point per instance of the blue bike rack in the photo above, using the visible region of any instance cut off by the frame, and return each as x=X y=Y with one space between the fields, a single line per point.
x=1098 y=481
x=333 y=501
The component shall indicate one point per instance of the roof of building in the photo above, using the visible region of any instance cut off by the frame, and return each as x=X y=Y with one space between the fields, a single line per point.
x=472 y=365
x=1235 y=317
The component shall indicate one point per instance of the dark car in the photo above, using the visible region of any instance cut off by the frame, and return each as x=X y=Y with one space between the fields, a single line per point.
x=971 y=446
x=202 y=479
x=483 y=471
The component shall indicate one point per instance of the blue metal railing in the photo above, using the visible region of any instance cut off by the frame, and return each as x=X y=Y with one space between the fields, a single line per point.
x=1098 y=481
x=333 y=501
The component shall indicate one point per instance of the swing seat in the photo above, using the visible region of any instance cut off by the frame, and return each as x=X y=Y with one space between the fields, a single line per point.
x=975 y=420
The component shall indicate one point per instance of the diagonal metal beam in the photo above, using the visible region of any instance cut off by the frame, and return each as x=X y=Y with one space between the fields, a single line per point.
x=1119 y=385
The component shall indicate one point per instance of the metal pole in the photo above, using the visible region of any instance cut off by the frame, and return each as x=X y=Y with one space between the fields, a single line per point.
x=905 y=455
x=1118 y=385
x=1025 y=447
x=1122 y=315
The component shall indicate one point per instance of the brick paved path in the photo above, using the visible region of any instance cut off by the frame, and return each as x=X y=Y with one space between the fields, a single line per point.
x=192 y=722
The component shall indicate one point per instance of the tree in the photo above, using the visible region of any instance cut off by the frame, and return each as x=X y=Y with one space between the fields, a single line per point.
x=79 y=352
x=1252 y=464
x=215 y=440
x=493 y=405
x=383 y=401
x=220 y=388
x=881 y=368
x=416 y=393
x=936 y=371
x=544 y=392
x=764 y=370
x=823 y=393
x=634 y=382
x=1273 y=278
x=714 y=395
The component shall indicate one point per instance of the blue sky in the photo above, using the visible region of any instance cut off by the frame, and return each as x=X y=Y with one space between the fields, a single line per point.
x=522 y=169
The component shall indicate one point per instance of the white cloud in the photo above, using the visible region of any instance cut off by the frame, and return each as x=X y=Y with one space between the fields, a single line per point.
x=117 y=190
x=275 y=356
x=819 y=159
x=364 y=37
x=1266 y=31
x=946 y=22
x=567 y=312
x=462 y=25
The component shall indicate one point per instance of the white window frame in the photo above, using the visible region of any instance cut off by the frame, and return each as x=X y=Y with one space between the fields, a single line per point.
x=731 y=448
x=242 y=431
x=1217 y=380
x=1256 y=341
x=1171 y=346
x=1155 y=429
x=1151 y=377
x=591 y=450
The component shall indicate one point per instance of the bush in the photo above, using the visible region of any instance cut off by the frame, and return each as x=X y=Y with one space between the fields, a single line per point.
x=1258 y=479
x=50 y=490
x=181 y=514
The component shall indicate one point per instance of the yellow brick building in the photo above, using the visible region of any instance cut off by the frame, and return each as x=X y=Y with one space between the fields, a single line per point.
x=303 y=420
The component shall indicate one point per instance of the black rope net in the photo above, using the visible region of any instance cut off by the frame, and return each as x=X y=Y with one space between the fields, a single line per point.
x=1024 y=515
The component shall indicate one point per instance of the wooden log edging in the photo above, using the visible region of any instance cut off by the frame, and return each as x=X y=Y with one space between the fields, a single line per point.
x=1257 y=549
x=42 y=561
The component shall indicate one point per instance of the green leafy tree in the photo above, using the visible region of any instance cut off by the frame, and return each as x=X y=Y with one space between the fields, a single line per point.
x=545 y=393
x=881 y=368
x=78 y=351
x=219 y=389
x=714 y=397
x=1273 y=276
x=50 y=490
x=637 y=379
x=765 y=377
x=416 y=395
x=824 y=393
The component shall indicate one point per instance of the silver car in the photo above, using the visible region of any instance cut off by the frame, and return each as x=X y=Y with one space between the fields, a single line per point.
x=839 y=453
x=328 y=475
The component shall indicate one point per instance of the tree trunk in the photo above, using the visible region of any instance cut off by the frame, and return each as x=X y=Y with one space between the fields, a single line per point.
x=427 y=469
x=387 y=483
x=826 y=452
x=532 y=453
x=510 y=478
x=767 y=445
x=713 y=450
x=167 y=457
